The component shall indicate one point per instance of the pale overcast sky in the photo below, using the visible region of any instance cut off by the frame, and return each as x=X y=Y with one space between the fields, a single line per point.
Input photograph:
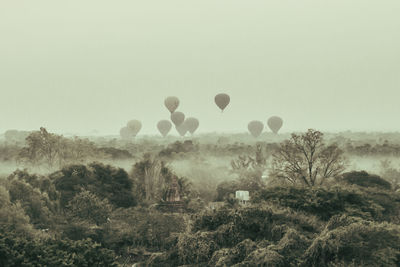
x=76 y=65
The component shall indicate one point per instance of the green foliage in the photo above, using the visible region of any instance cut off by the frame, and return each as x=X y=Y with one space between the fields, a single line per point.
x=12 y=216
x=362 y=178
x=178 y=148
x=195 y=205
x=153 y=178
x=291 y=246
x=115 y=153
x=364 y=243
x=252 y=182
x=36 y=195
x=42 y=183
x=196 y=248
x=157 y=259
x=139 y=227
x=263 y=257
x=229 y=257
x=52 y=150
x=264 y=234
x=225 y=188
x=253 y=222
x=367 y=149
x=325 y=203
x=21 y=251
x=228 y=236
x=32 y=201
x=87 y=206
x=353 y=222
x=102 y=180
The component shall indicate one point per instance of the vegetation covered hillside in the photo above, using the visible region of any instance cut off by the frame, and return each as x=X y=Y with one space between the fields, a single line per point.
x=174 y=207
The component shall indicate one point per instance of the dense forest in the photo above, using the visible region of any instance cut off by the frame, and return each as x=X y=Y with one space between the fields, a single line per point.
x=102 y=201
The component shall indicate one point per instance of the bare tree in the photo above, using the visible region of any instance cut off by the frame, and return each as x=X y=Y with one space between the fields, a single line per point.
x=305 y=159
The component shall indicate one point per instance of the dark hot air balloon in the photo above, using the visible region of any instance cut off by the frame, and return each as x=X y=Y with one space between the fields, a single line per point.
x=275 y=123
x=192 y=124
x=222 y=101
x=255 y=128
x=172 y=103
x=164 y=127
x=177 y=118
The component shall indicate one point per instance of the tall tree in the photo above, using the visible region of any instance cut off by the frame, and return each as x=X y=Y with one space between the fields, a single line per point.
x=52 y=150
x=306 y=159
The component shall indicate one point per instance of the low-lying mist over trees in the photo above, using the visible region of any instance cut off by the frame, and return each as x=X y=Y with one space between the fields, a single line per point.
x=104 y=201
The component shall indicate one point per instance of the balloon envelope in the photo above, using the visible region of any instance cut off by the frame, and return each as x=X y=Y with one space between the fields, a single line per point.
x=275 y=123
x=192 y=124
x=222 y=101
x=177 y=118
x=172 y=103
x=182 y=129
x=134 y=127
x=164 y=127
x=255 y=128
x=125 y=133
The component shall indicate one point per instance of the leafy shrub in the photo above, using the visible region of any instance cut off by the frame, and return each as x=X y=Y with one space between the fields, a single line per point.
x=43 y=183
x=225 y=188
x=229 y=257
x=20 y=251
x=178 y=148
x=362 y=178
x=102 y=180
x=292 y=246
x=138 y=227
x=364 y=243
x=13 y=217
x=36 y=204
x=87 y=206
x=369 y=203
x=196 y=248
x=255 y=222
x=115 y=153
x=263 y=257
x=222 y=257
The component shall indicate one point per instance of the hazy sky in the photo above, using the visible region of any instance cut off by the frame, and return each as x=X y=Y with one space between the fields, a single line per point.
x=76 y=65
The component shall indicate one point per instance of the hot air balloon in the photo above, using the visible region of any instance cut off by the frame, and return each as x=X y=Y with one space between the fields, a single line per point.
x=125 y=133
x=134 y=127
x=192 y=124
x=177 y=118
x=222 y=100
x=182 y=129
x=172 y=103
x=275 y=123
x=164 y=127
x=255 y=128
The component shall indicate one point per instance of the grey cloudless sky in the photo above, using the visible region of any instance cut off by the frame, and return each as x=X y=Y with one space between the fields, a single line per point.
x=75 y=66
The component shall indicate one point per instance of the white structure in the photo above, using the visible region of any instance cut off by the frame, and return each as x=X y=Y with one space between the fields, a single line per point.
x=242 y=196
